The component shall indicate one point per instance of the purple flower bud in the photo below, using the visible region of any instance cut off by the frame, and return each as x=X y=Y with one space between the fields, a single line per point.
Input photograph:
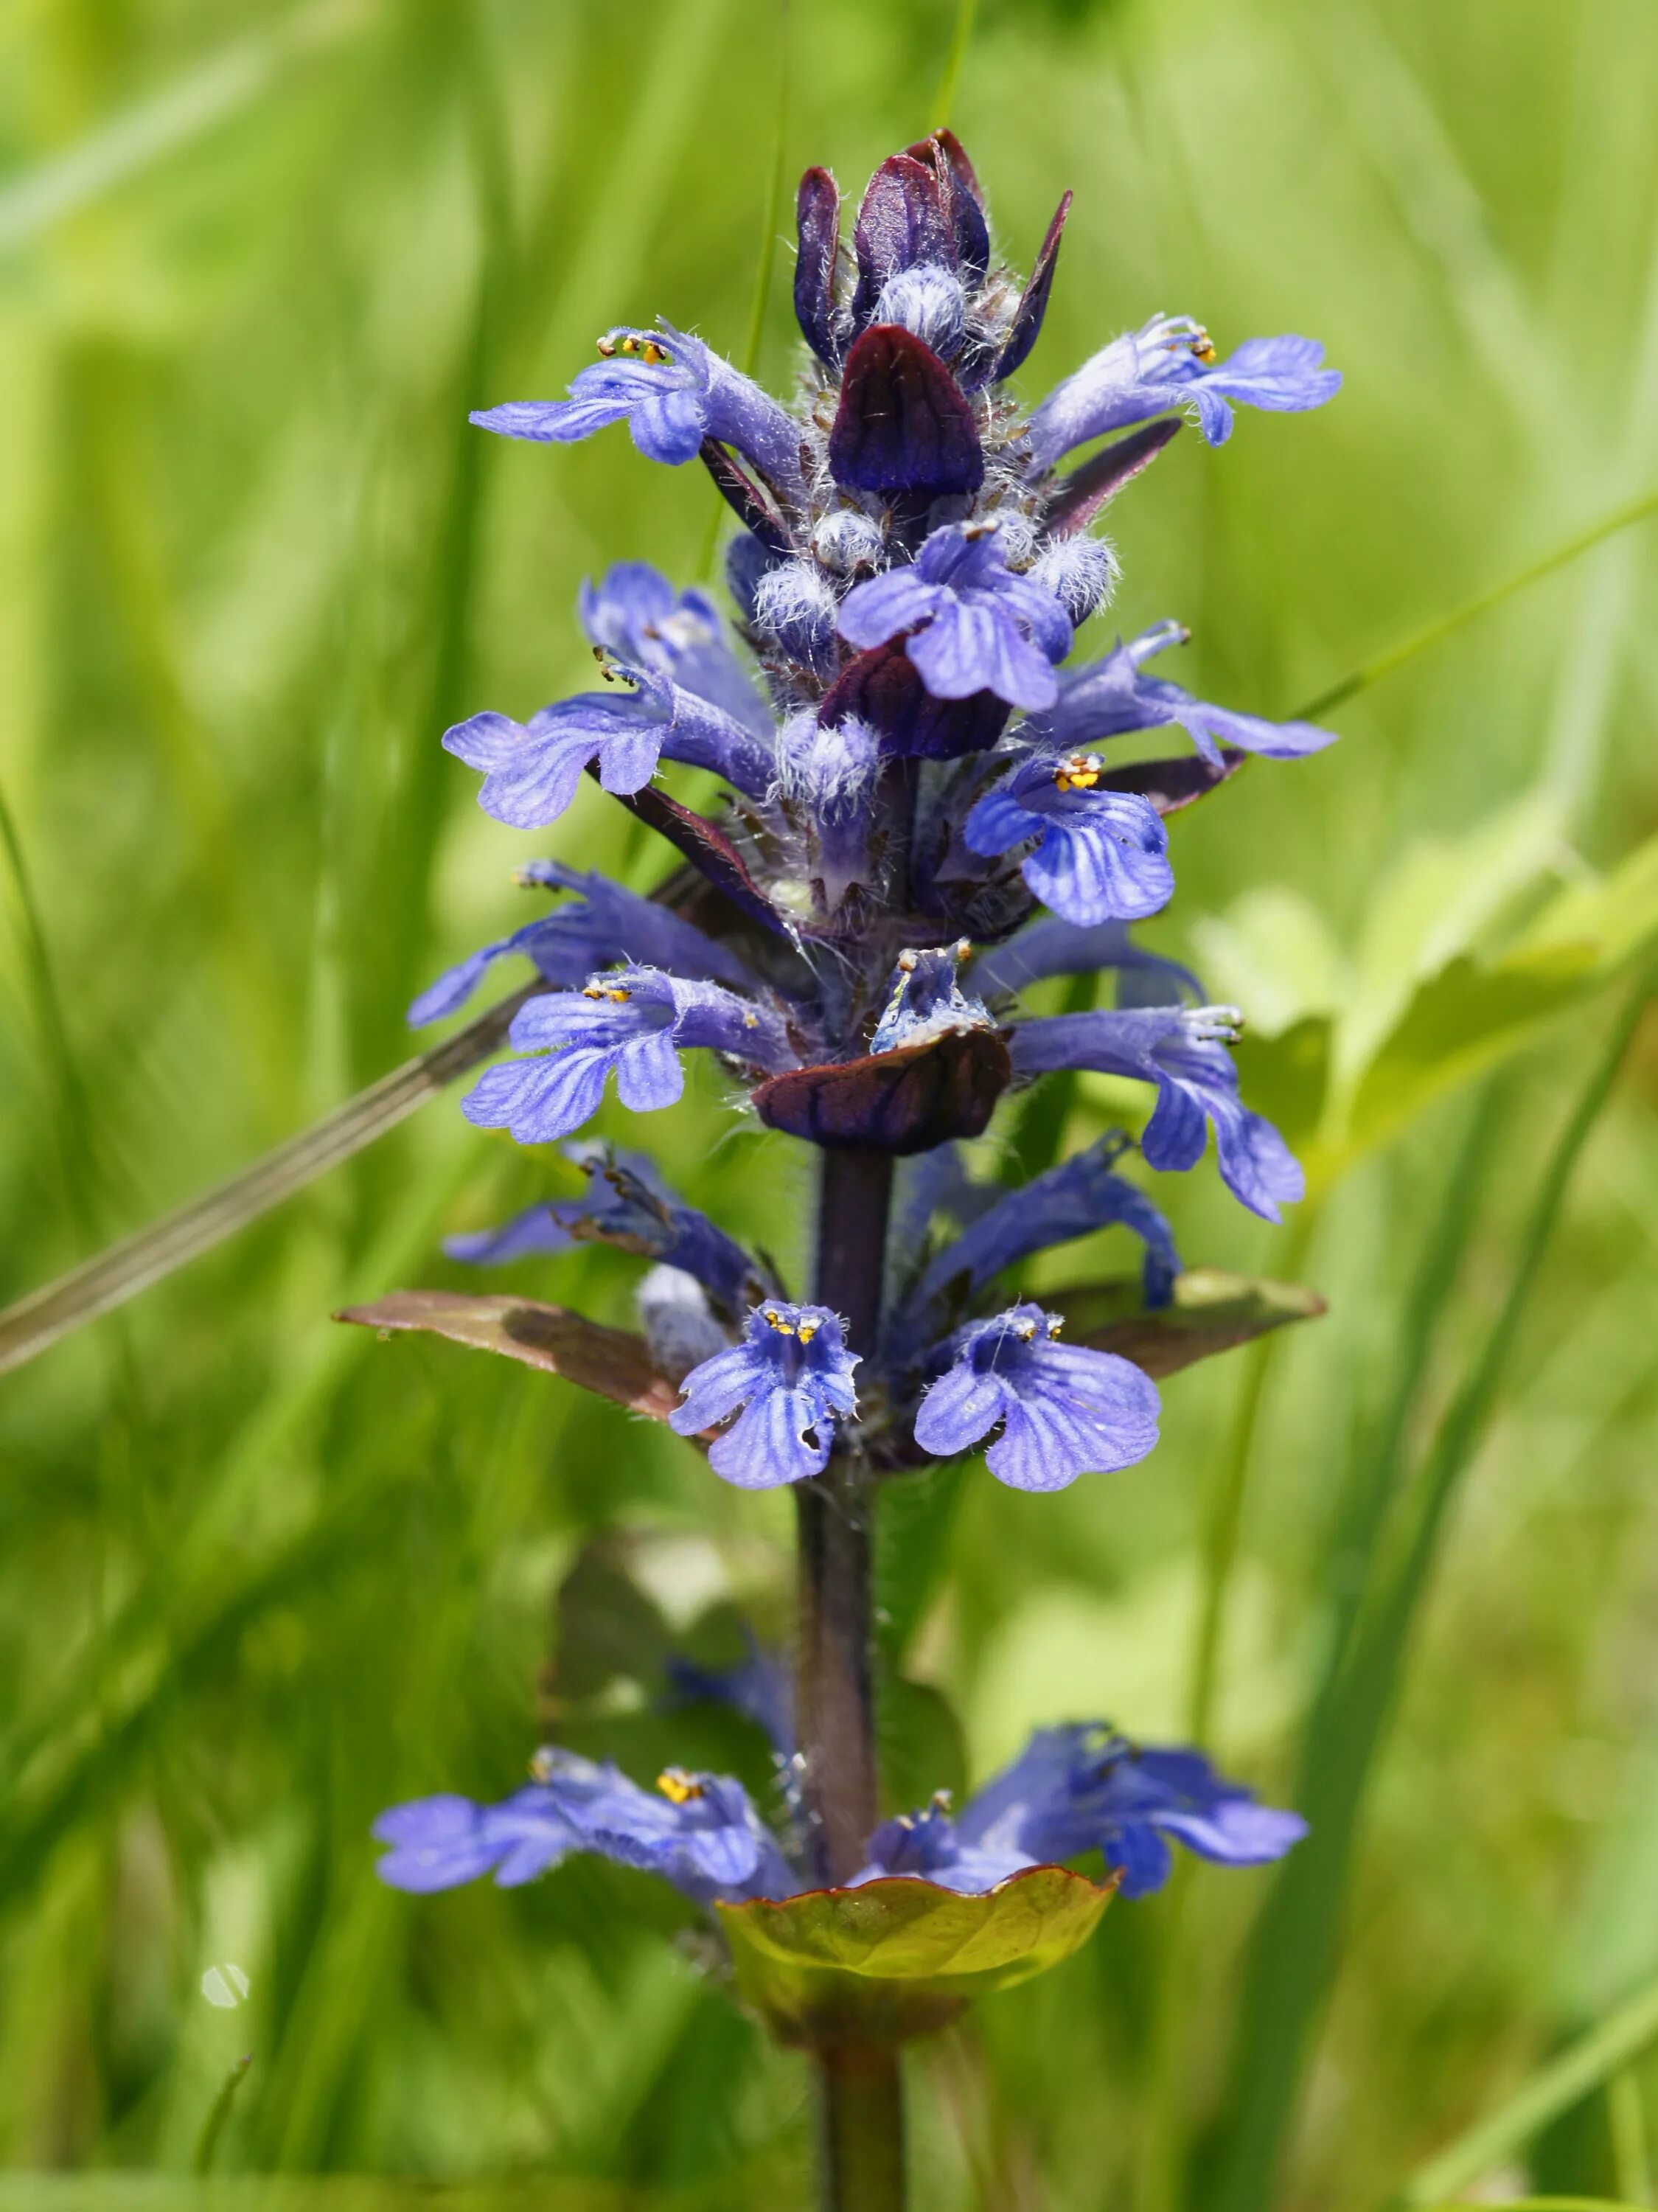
x=847 y=539
x=1080 y=572
x=795 y=608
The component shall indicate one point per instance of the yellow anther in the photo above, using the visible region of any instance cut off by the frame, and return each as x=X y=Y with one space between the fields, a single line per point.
x=751 y=1021
x=618 y=997
x=774 y=1320
x=907 y=962
x=1078 y=772
x=1055 y=1325
x=1025 y=1331
x=807 y=1330
x=964 y=949
x=677 y=1787
x=591 y=991
x=1204 y=347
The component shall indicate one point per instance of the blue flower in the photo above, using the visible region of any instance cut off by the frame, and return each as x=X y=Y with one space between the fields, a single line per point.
x=978 y=625
x=1107 y=698
x=632 y=1022
x=1078 y=1196
x=672 y=392
x=830 y=774
x=1083 y=1788
x=1101 y=855
x=1063 y=1411
x=699 y=1832
x=636 y=614
x=1171 y=363
x=628 y=1204
x=1183 y=1052
x=605 y=924
x=759 y=1687
x=924 y=1000
x=532 y=769
x=927 y=1847
x=1047 y=947
x=787 y=1382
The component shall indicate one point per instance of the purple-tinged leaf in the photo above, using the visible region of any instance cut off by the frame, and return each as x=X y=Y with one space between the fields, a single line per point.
x=1172 y=784
x=904 y=1101
x=962 y=197
x=1032 y=307
x=902 y=224
x=708 y=848
x=883 y=689
x=903 y=424
x=818 y=226
x=753 y=505
x=611 y=1362
x=1210 y=1312
x=1078 y=496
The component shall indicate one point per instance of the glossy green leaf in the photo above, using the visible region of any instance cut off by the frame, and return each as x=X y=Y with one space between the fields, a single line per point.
x=1210 y=1311
x=896 y=1958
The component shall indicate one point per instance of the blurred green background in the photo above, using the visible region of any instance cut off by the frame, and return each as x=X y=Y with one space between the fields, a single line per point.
x=260 y=1575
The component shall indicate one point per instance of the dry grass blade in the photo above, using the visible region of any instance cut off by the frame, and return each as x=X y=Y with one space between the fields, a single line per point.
x=104 y=1282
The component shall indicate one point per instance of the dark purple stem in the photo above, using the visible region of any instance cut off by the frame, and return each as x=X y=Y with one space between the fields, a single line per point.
x=861 y=2090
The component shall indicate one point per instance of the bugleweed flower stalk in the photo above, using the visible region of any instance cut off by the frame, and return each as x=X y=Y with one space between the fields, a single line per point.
x=913 y=773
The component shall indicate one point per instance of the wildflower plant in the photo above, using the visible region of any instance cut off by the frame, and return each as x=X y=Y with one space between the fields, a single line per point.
x=922 y=821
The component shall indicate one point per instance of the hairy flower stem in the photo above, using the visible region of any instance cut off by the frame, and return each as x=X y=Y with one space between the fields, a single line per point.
x=860 y=2092
x=863 y=2131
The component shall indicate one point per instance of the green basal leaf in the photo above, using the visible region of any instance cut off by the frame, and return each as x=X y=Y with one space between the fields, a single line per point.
x=1287 y=1077
x=921 y=1743
x=901 y=1958
x=1458 y=1023
x=1210 y=1311
x=1472 y=1012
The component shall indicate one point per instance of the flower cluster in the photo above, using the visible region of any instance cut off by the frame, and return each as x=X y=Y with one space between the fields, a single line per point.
x=921 y=820
x=1075 y=1790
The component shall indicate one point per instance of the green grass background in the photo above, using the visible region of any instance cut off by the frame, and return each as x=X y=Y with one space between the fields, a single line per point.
x=260 y=1575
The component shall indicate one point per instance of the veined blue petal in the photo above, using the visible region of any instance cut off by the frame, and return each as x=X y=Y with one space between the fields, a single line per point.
x=1065 y=1411
x=792 y=1377
x=1084 y=1788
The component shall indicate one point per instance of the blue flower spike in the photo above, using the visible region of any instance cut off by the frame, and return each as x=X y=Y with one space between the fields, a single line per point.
x=891 y=810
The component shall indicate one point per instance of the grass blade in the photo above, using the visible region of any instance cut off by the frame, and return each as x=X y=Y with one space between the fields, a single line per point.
x=102 y=1284
x=149 y=131
x=1372 y=671
x=1553 y=2089
x=1292 y=1953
